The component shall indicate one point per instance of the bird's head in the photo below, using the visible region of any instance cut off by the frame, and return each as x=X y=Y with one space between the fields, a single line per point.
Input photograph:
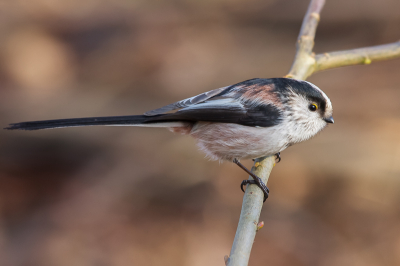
x=308 y=109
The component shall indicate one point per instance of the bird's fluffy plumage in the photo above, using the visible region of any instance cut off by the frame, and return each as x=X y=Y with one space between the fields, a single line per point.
x=253 y=118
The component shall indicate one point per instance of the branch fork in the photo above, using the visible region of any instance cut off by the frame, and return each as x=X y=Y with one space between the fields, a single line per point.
x=304 y=65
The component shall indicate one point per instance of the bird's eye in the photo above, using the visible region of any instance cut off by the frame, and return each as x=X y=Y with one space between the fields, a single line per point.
x=313 y=107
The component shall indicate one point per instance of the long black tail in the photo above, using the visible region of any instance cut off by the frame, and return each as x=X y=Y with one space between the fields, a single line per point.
x=90 y=121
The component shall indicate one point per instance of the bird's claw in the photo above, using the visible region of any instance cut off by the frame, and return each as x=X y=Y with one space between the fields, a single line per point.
x=278 y=157
x=260 y=184
x=256 y=180
x=245 y=182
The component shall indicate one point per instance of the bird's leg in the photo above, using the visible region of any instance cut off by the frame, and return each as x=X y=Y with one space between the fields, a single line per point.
x=256 y=180
x=278 y=157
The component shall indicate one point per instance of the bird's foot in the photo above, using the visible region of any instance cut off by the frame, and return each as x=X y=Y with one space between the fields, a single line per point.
x=259 y=183
x=278 y=157
x=256 y=180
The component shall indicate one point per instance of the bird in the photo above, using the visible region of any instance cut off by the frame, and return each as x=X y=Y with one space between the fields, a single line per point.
x=251 y=119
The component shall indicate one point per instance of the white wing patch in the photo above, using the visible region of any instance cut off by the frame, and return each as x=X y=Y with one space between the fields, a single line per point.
x=223 y=104
x=186 y=102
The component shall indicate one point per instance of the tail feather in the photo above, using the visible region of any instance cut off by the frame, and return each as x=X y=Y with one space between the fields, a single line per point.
x=133 y=120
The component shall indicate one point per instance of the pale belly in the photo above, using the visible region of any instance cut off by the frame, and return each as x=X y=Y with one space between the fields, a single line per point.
x=228 y=141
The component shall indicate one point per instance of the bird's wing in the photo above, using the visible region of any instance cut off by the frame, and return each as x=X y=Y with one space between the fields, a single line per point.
x=187 y=102
x=225 y=105
x=226 y=110
x=255 y=86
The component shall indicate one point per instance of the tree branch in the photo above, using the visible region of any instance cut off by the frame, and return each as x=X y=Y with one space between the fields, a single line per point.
x=251 y=209
x=305 y=64
x=358 y=56
x=253 y=198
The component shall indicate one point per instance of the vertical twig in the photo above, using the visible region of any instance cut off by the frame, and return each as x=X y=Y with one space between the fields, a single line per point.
x=304 y=61
x=251 y=209
x=253 y=198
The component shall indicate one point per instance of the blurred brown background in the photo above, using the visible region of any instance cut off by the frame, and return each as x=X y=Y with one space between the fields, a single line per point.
x=138 y=196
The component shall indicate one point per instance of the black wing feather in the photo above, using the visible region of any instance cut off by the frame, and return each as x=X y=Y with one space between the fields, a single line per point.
x=212 y=106
x=226 y=111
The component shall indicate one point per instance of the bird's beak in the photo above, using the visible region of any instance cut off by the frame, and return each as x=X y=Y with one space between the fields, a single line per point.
x=329 y=120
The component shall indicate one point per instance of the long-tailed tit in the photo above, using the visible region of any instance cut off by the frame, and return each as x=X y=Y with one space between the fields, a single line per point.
x=251 y=119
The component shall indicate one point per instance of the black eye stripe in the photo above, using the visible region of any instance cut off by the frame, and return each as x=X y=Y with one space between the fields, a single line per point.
x=321 y=103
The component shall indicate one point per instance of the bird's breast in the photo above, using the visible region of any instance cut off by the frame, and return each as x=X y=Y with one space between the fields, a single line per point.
x=225 y=141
